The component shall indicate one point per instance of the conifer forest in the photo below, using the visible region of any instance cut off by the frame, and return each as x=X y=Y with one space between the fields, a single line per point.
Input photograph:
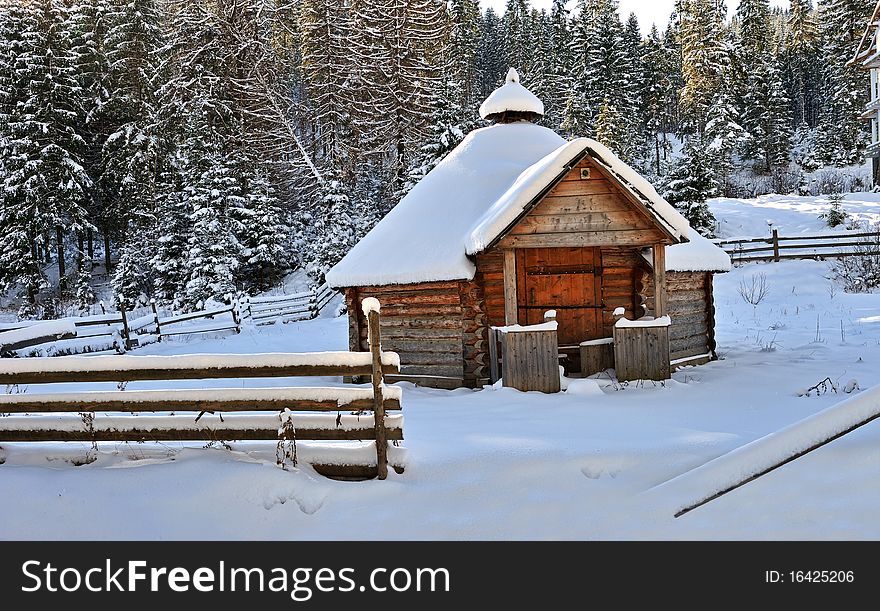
x=194 y=149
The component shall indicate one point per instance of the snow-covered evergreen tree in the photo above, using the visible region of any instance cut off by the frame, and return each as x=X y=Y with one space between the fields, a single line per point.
x=214 y=253
x=690 y=182
x=704 y=56
x=448 y=129
x=47 y=189
x=264 y=236
x=335 y=224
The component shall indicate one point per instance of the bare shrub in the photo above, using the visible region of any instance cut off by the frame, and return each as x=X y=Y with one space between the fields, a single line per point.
x=860 y=273
x=754 y=290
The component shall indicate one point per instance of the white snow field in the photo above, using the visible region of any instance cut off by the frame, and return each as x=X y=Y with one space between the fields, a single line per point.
x=501 y=464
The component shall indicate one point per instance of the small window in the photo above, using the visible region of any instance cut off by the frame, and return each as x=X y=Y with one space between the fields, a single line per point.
x=585 y=173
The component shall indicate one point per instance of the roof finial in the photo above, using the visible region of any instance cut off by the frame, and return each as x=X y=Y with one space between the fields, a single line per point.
x=512 y=102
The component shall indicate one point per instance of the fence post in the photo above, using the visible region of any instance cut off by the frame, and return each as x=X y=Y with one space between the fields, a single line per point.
x=313 y=303
x=378 y=400
x=156 y=319
x=236 y=315
x=776 y=245
x=126 y=338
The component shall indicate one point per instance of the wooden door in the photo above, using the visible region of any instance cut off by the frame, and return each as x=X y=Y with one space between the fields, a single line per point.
x=567 y=280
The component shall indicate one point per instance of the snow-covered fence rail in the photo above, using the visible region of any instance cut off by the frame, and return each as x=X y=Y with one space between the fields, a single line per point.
x=289 y=308
x=824 y=246
x=758 y=458
x=18 y=339
x=124 y=330
x=282 y=415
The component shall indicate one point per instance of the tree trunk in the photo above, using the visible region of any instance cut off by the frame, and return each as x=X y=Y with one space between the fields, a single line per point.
x=59 y=243
x=657 y=152
x=107 y=253
x=47 y=250
x=80 y=251
x=90 y=242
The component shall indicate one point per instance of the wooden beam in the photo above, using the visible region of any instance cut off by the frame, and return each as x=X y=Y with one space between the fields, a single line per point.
x=627 y=237
x=659 y=264
x=373 y=336
x=510 y=309
x=206 y=433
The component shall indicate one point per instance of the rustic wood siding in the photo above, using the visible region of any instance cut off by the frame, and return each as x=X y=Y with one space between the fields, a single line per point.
x=692 y=311
x=625 y=277
x=584 y=212
x=421 y=322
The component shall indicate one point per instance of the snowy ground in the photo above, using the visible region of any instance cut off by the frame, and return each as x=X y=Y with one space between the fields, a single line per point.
x=499 y=464
x=509 y=465
x=790 y=214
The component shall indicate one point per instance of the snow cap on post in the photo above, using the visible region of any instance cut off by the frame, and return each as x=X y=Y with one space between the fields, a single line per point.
x=512 y=102
x=370 y=304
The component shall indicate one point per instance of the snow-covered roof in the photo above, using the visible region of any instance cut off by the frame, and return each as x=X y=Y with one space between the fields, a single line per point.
x=482 y=187
x=510 y=206
x=697 y=255
x=423 y=238
x=511 y=96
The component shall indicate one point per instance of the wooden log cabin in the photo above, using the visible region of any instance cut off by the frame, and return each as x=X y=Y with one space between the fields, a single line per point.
x=516 y=221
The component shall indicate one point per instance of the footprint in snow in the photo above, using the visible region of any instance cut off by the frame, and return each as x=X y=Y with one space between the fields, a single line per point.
x=307 y=503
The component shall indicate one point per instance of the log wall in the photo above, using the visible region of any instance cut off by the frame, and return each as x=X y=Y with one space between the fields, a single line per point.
x=424 y=324
x=690 y=305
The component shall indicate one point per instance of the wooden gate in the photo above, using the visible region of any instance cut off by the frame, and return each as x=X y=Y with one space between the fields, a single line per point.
x=568 y=280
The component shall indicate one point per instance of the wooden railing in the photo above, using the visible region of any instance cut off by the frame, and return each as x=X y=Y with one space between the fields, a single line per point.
x=283 y=415
x=820 y=246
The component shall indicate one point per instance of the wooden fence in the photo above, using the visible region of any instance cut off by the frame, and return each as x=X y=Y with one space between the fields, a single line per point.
x=282 y=415
x=125 y=330
x=824 y=246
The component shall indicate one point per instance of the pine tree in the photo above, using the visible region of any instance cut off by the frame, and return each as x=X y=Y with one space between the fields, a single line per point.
x=659 y=94
x=492 y=64
x=397 y=48
x=611 y=127
x=326 y=67
x=768 y=116
x=801 y=63
x=464 y=39
x=336 y=226
x=46 y=186
x=704 y=56
x=132 y=145
x=173 y=227
x=264 y=236
x=447 y=131
x=214 y=253
x=518 y=42
x=842 y=138
x=690 y=183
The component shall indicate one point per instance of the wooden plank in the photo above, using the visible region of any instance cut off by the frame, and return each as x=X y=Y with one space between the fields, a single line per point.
x=597 y=186
x=424 y=345
x=81 y=402
x=584 y=221
x=659 y=261
x=430 y=381
x=206 y=433
x=596 y=358
x=350 y=472
x=113 y=375
x=583 y=239
x=445 y=370
x=688 y=352
x=510 y=303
